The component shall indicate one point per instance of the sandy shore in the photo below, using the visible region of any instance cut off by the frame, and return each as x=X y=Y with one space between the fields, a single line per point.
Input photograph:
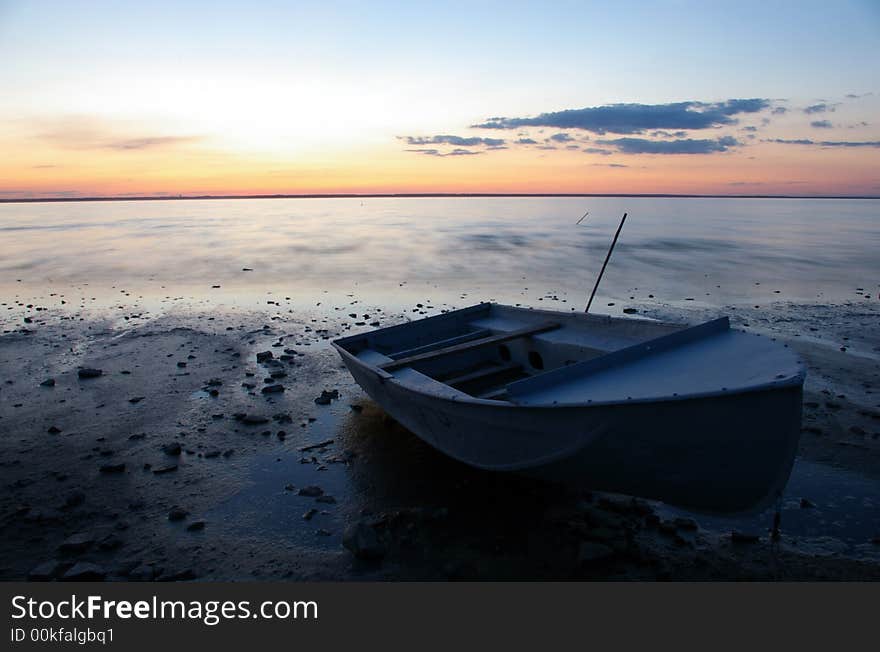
x=173 y=463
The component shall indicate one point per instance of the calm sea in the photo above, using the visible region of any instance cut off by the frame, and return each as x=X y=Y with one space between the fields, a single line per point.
x=450 y=251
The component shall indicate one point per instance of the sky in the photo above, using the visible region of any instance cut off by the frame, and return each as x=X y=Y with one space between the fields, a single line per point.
x=194 y=98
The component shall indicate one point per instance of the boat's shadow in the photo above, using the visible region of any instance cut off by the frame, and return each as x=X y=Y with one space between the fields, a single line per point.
x=463 y=522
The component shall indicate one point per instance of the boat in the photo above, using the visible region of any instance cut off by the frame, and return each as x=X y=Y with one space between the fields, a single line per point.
x=705 y=417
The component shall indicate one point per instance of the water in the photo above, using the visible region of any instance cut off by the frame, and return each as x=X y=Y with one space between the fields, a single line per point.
x=713 y=251
x=840 y=518
x=841 y=514
x=318 y=254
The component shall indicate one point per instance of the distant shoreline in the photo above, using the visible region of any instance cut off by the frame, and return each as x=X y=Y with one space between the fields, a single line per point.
x=32 y=200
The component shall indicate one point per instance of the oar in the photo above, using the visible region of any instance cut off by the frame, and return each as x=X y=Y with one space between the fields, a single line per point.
x=607 y=258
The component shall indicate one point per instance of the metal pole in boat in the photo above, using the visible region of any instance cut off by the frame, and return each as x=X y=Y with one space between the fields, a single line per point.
x=605 y=264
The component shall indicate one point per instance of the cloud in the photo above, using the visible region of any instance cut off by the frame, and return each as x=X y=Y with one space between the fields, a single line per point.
x=92 y=133
x=26 y=194
x=146 y=142
x=821 y=124
x=779 y=110
x=636 y=118
x=526 y=141
x=598 y=150
x=793 y=141
x=561 y=138
x=436 y=152
x=460 y=141
x=610 y=165
x=82 y=132
x=681 y=146
x=827 y=143
x=822 y=107
x=749 y=129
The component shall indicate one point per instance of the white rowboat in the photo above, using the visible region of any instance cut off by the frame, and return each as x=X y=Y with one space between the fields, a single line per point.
x=705 y=416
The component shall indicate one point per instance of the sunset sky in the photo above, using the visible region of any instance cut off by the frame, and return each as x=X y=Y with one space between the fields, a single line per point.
x=117 y=98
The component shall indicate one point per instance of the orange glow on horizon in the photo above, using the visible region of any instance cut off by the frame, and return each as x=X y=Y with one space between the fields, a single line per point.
x=141 y=167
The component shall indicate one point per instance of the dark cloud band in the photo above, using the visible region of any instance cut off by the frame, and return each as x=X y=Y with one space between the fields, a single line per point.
x=636 y=118
x=826 y=143
x=681 y=146
x=459 y=141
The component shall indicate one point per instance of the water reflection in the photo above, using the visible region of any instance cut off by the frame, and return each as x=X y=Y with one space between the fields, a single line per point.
x=672 y=248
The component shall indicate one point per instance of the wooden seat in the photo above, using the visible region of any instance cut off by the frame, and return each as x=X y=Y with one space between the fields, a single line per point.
x=468 y=346
x=486 y=372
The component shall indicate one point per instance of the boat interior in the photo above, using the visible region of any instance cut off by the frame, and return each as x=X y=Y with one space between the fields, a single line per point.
x=484 y=350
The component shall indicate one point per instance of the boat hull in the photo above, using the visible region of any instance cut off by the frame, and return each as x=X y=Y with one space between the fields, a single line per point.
x=727 y=453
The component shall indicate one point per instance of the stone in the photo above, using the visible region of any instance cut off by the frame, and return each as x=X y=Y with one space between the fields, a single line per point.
x=363 y=541
x=142 y=573
x=264 y=356
x=326 y=397
x=272 y=389
x=667 y=527
x=177 y=514
x=110 y=542
x=49 y=382
x=311 y=492
x=113 y=468
x=196 y=526
x=171 y=449
x=688 y=524
x=45 y=571
x=84 y=572
x=743 y=537
x=74 y=499
x=179 y=576
x=77 y=543
x=88 y=372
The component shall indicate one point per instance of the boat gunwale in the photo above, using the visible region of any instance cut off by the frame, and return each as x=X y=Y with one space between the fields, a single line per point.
x=795 y=380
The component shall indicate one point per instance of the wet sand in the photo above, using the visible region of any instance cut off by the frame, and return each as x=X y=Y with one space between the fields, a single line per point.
x=174 y=464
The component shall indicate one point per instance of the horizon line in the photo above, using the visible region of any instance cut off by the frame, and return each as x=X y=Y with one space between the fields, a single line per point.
x=391 y=195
